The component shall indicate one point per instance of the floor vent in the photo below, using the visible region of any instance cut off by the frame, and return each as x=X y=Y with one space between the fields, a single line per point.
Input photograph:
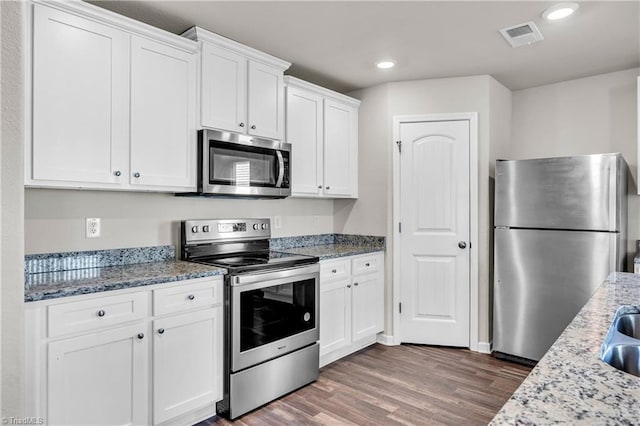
x=522 y=34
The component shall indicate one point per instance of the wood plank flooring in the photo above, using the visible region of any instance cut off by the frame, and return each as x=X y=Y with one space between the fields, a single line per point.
x=397 y=385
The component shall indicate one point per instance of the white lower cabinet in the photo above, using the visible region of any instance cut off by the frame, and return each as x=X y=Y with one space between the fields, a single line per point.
x=123 y=366
x=100 y=378
x=351 y=304
x=187 y=350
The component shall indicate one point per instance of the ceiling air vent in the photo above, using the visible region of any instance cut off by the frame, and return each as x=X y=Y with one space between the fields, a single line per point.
x=522 y=34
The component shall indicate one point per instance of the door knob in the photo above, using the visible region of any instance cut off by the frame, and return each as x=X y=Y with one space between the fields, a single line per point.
x=462 y=245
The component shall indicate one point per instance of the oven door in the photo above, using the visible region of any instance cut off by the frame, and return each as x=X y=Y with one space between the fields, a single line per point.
x=272 y=314
x=236 y=165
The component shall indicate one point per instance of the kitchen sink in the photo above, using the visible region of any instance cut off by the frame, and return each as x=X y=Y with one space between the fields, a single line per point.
x=629 y=325
x=621 y=347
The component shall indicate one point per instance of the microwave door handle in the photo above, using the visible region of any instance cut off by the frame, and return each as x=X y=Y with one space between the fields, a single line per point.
x=280 y=169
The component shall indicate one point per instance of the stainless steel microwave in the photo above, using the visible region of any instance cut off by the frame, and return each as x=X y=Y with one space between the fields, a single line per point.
x=230 y=164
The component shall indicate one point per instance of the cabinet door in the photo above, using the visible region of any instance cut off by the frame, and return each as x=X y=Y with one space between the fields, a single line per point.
x=335 y=315
x=163 y=128
x=266 y=101
x=99 y=378
x=304 y=133
x=187 y=363
x=340 y=149
x=80 y=107
x=367 y=305
x=224 y=89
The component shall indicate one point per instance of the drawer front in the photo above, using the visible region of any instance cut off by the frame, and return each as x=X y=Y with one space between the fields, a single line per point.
x=367 y=264
x=188 y=296
x=93 y=314
x=335 y=269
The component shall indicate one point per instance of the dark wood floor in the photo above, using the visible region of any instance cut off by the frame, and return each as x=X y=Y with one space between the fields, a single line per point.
x=407 y=384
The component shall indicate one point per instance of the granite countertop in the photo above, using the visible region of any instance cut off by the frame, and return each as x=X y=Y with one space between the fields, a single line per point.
x=55 y=275
x=331 y=251
x=329 y=246
x=571 y=384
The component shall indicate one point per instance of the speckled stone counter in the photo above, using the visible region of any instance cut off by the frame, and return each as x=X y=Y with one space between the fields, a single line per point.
x=329 y=246
x=47 y=278
x=570 y=384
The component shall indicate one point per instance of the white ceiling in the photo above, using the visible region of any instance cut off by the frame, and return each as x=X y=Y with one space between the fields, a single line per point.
x=336 y=44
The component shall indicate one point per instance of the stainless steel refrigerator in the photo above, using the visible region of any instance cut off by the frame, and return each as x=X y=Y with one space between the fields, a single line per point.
x=559 y=230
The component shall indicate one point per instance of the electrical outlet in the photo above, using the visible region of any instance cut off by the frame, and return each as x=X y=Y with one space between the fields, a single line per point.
x=93 y=227
x=277 y=222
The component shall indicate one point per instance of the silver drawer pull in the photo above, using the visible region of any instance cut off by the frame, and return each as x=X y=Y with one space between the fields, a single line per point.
x=348 y=285
x=356 y=284
x=140 y=336
x=367 y=264
x=333 y=271
x=101 y=313
x=191 y=297
x=161 y=331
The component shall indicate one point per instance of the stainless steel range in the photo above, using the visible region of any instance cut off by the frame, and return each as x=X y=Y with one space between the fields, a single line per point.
x=271 y=310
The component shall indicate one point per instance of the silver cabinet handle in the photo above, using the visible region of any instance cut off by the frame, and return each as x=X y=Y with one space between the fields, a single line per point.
x=191 y=297
x=253 y=127
x=101 y=313
x=333 y=271
x=140 y=336
x=462 y=245
x=348 y=285
x=136 y=175
x=327 y=188
x=356 y=284
x=367 y=264
x=161 y=331
x=319 y=186
x=241 y=124
x=117 y=173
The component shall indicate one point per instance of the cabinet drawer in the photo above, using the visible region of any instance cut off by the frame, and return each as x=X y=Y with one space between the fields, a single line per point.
x=367 y=264
x=335 y=269
x=188 y=296
x=92 y=314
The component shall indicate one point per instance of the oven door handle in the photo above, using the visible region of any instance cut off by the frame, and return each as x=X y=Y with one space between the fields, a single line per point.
x=239 y=280
x=280 y=169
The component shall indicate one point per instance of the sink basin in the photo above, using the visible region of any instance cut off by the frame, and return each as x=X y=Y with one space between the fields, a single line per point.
x=629 y=325
x=625 y=358
x=621 y=346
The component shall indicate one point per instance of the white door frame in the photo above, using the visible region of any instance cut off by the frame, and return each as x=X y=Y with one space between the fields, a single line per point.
x=472 y=117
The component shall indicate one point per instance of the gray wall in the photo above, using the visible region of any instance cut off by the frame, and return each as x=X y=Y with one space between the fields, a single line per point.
x=585 y=116
x=55 y=219
x=12 y=210
x=373 y=209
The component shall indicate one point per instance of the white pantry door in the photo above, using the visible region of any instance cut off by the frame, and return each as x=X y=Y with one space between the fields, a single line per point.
x=434 y=240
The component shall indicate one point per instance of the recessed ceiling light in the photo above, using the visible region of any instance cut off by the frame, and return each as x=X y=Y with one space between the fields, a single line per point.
x=559 y=11
x=383 y=65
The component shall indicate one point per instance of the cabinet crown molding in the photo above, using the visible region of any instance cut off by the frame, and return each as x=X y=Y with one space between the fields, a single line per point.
x=291 y=81
x=124 y=23
x=200 y=34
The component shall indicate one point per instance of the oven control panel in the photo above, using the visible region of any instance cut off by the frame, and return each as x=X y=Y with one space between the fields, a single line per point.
x=212 y=230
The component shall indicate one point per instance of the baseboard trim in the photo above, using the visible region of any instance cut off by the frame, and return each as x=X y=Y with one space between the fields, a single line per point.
x=484 y=347
x=386 y=339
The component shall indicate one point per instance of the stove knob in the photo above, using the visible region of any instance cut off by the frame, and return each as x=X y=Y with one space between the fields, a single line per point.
x=194 y=229
x=205 y=228
x=256 y=226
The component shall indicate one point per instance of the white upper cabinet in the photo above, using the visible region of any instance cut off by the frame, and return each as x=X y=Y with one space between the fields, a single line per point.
x=79 y=99
x=112 y=99
x=242 y=89
x=304 y=132
x=266 y=101
x=322 y=128
x=163 y=125
x=224 y=89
